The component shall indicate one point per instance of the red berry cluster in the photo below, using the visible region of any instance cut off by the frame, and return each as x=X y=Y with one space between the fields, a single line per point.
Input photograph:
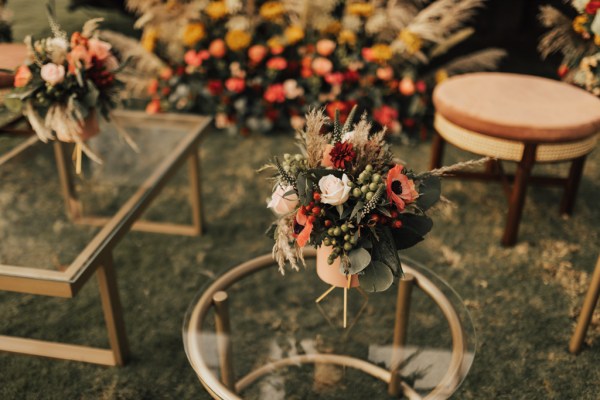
x=312 y=210
x=393 y=220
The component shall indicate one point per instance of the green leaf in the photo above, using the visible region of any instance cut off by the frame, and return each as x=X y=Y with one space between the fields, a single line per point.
x=414 y=228
x=431 y=189
x=359 y=260
x=356 y=209
x=91 y=97
x=304 y=188
x=340 y=210
x=384 y=250
x=13 y=103
x=270 y=233
x=377 y=277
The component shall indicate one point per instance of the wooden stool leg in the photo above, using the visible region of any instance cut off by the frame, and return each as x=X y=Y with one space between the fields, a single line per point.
x=591 y=298
x=437 y=151
x=517 y=197
x=572 y=185
x=405 y=286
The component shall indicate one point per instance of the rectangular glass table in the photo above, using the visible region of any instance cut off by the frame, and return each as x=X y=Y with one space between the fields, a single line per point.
x=57 y=229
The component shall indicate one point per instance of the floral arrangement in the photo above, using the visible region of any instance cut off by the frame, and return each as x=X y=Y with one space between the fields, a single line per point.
x=260 y=65
x=345 y=192
x=63 y=83
x=578 y=40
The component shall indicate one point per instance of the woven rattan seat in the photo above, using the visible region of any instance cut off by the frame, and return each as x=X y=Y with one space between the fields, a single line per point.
x=519 y=118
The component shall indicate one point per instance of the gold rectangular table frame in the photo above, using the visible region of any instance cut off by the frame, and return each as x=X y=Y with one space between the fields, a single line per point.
x=96 y=257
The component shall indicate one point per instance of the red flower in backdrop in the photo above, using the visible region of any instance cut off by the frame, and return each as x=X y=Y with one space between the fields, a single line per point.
x=275 y=93
x=215 y=87
x=385 y=115
x=400 y=189
x=342 y=155
x=592 y=7
x=351 y=76
x=236 y=85
x=334 y=78
x=277 y=63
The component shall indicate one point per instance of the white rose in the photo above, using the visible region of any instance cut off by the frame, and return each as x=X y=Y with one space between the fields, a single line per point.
x=52 y=73
x=334 y=190
x=57 y=49
x=281 y=203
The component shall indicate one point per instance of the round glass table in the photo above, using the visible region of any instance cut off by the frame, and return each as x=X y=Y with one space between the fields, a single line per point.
x=254 y=334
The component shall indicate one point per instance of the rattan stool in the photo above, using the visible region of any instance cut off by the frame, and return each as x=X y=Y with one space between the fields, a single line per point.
x=519 y=118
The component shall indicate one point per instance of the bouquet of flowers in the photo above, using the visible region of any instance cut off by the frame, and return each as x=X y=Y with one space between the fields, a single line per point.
x=63 y=83
x=345 y=194
x=578 y=40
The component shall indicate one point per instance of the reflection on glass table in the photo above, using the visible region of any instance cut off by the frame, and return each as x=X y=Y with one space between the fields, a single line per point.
x=254 y=334
x=45 y=250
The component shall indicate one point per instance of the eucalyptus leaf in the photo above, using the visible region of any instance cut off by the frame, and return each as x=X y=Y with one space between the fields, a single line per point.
x=431 y=189
x=340 y=210
x=356 y=209
x=13 y=103
x=377 y=277
x=359 y=260
x=384 y=250
x=304 y=189
x=414 y=228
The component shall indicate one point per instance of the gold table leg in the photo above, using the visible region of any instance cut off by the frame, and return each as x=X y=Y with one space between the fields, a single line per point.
x=223 y=331
x=587 y=310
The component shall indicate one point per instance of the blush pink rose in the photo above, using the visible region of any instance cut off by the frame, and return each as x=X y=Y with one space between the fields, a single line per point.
x=192 y=58
x=23 y=76
x=277 y=63
x=99 y=49
x=322 y=66
x=236 y=85
x=257 y=53
x=367 y=54
x=281 y=203
x=325 y=47
x=52 y=73
x=217 y=48
x=385 y=73
x=275 y=93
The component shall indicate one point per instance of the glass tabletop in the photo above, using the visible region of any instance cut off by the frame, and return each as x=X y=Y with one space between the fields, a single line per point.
x=275 y=317
x=36 y=231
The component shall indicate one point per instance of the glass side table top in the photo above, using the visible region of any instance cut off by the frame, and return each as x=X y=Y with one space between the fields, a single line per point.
x=285 y=346
x=39 y=239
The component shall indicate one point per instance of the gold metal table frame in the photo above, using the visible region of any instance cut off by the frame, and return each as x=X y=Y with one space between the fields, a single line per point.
x=96 y=257
x=227 y=389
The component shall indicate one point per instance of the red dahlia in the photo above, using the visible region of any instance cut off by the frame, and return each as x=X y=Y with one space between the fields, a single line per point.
x=342 y=155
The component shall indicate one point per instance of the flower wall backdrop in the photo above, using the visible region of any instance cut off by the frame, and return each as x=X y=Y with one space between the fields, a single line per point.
x=260 y=65
x=578 y=40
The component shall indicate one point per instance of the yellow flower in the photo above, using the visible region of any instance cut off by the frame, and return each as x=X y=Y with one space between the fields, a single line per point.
x=149 y=39
x=597 y=40
x=441 y=75
x=294 y=34
x=333 y=28
x=271 y=10
x=274 y=42
x=579 y=22
x=237 y=39
x=193 y=33
x=381 y=52
x=412 y=42
x=361 y=9
x=347 y=37
x=216 y=9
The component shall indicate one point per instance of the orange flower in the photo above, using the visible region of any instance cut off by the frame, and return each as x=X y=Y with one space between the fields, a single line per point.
x=304 y=235
x=153 y=107
x=237 y=39
x=400 y=189
x=23 y=76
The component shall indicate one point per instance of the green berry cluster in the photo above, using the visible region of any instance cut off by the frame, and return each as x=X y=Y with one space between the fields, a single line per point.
x=341 y=237
x=293 y=164
x=368 y=183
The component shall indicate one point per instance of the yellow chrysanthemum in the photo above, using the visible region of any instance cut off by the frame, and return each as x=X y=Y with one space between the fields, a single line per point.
x=441 y=75
x=294 y=34
x=579 y=22
x=333 y=28
x=216 y=9
x=275 y=42
x=237 y=39
x=412 y=41
x=271 y=10
x=193 y=33
x=361 y=9
x=382 y=52
x=347 y=37
x=597 y=40
x=149 y=39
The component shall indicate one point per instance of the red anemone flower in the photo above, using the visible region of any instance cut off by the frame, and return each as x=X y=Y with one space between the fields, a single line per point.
x=400 y=189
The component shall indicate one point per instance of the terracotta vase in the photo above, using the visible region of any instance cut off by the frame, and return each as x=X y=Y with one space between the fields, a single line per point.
x=331 y=273
x=89 y=128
